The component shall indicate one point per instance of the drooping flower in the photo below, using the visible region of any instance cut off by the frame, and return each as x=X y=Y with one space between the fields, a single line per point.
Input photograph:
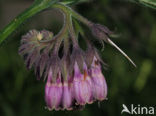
x=98 y=80
x=53 y=92
x=82 y=86
x=68 y=97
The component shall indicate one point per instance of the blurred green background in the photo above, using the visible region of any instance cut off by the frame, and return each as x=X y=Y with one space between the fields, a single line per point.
x=22 y=95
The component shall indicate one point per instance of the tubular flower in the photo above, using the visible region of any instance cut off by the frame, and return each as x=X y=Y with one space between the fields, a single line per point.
x=73 y=76
x=67 y=96
x=98 y=80
x=53 y=92
x=82 y=86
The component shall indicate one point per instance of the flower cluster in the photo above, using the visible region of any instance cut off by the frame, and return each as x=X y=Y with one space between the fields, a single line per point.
x=77 y=90
x=73 y=80
x=74 y=76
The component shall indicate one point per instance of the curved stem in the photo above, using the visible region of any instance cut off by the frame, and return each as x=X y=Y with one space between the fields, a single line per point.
x=73 y=13
x=81 y=18
x=66 y=46
x=63 y=33
x=79 y=29
x=72 y=32
x=67 y=12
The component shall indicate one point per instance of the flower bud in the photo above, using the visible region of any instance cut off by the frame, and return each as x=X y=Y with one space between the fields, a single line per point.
x=32 y=50
x=100 y=32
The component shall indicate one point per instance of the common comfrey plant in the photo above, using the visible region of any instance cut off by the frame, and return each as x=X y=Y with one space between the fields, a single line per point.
x=73 y=76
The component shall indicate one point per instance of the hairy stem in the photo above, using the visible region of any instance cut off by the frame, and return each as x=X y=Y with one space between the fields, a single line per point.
x=73 y=13
x=68 y=14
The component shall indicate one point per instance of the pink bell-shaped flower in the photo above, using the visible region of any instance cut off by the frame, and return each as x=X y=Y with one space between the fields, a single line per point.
x=67 y=96
x=53 y=92
x=98 y=80
x=82 y=86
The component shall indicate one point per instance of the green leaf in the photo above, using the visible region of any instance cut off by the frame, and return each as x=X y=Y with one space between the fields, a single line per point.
x=70 y=2
x=148 y=3
x=38 y=6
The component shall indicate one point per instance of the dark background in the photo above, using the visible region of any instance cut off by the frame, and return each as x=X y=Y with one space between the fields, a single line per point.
x=22 y=95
